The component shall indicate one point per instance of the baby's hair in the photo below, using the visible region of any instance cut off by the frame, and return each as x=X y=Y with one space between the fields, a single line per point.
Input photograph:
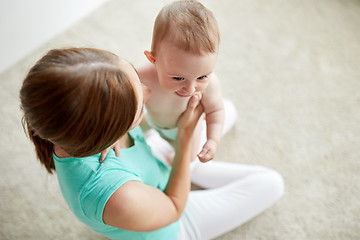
x=79 y=99
x=189 y=25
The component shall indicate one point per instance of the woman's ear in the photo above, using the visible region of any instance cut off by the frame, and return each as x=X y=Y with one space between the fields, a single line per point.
x=150 y=57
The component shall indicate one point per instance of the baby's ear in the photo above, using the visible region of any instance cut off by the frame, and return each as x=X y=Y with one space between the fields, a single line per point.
x=150 y=57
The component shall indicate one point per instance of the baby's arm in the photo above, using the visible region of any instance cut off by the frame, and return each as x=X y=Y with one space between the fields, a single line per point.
x=214 y=110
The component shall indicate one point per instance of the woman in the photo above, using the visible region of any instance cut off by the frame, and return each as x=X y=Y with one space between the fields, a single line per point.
x=78 y=103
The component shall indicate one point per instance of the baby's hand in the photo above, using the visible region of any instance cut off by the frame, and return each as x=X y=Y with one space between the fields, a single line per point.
x=208 y=151
x=115 y=146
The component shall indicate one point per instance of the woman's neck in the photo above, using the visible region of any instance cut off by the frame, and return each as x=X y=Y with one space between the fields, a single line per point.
x=59 y=152
x=126 y=141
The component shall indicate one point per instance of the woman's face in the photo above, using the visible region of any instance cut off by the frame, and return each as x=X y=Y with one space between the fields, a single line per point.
x=141 y=91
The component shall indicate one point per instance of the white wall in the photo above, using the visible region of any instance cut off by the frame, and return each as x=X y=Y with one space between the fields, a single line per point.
x=26 y=24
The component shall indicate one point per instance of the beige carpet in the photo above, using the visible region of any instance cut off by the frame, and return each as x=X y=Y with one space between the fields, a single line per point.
x=292 y=69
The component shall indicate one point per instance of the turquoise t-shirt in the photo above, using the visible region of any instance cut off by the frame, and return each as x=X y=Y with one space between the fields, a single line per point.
x=87 y=184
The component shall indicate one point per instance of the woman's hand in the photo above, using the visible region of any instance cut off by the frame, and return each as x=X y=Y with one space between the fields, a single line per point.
x=115 y=146
x=188 y=120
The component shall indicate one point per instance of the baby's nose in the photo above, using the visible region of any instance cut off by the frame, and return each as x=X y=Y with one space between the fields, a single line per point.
x=189 y=88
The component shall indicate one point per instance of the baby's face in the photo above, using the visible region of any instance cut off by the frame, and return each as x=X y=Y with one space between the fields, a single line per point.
x=181 y=72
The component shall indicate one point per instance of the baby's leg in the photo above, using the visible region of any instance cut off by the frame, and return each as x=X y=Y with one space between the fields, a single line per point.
x=169 y=157
x=238 y=193
x=161 y=148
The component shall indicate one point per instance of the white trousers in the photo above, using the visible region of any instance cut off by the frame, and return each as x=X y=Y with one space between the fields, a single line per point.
x=233 y=193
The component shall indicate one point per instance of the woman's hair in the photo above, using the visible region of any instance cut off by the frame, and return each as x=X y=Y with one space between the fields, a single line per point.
x=79 y=99
x=189 y=25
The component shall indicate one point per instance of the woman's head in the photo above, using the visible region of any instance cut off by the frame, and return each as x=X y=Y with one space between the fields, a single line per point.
x=80 y=99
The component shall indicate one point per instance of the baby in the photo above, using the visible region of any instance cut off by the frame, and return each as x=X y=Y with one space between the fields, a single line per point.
x=183 y=55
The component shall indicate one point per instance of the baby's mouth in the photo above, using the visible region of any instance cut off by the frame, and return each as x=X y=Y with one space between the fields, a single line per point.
x=182 y=95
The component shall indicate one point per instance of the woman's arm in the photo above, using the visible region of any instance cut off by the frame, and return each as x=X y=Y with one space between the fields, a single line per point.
x=139 y=207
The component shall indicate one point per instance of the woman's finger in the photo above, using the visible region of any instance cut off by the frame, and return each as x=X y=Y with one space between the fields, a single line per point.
x=193 y=102
x=103 y=155
x=117 y=150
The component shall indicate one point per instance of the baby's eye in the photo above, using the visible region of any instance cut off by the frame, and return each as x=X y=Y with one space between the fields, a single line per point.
x=178 y=78
x=202 y=77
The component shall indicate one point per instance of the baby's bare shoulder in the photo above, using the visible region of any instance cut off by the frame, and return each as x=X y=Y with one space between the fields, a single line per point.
x=147 y=73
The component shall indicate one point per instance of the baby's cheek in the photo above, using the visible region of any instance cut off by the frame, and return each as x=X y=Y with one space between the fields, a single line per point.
x=170 y=87
x=202 y=86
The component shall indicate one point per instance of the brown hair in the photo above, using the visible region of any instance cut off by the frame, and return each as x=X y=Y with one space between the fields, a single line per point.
x=79 y=99
x=189 y=25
